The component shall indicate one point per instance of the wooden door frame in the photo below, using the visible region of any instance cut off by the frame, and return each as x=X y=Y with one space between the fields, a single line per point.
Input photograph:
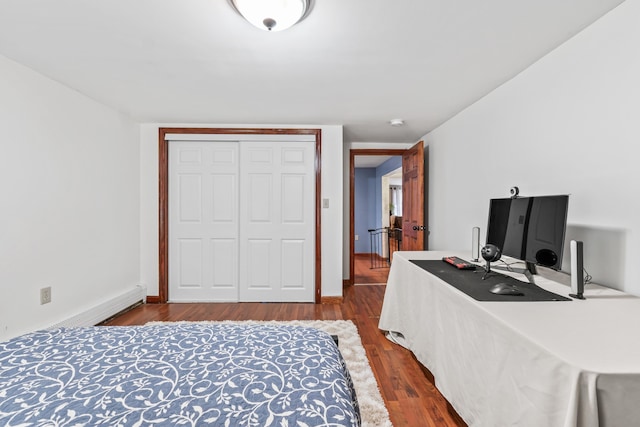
x=163 y=197
x=352 y=175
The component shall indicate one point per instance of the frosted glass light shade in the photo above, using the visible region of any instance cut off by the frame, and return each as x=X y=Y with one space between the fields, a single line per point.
x=272 y=15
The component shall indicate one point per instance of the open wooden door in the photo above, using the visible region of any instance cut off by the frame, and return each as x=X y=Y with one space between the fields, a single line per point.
x=413 y=227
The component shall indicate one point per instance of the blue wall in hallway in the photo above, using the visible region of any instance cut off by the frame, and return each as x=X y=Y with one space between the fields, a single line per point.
x=367 y=213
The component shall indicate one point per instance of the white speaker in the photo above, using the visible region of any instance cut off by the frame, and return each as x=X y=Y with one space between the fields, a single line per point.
x=475 y=244
x=577 y=270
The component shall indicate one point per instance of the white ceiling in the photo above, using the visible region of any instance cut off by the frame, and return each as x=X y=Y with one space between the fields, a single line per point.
x=358 y=63
x=369 y=161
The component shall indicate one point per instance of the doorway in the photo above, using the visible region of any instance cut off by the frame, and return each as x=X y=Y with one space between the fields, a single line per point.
x=377 y=192
x=360 y=252
x=414 y=198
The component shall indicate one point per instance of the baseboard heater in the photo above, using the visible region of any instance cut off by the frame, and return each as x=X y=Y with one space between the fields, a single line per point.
x=106 y=309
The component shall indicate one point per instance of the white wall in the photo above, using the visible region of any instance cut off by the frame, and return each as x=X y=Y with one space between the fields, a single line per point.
x=567 y=125
x=331 y=220
x=69 y=201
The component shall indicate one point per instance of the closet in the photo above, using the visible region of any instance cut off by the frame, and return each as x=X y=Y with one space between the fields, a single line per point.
x=241 y=218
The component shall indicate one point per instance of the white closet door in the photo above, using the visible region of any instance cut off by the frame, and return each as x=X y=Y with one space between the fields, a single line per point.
x=277 y=217
x=203 y=221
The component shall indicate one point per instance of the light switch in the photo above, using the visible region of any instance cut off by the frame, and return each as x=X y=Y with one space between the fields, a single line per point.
x=325 y=203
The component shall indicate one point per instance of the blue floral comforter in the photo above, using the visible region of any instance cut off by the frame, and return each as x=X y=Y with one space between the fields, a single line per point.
x=193 y=374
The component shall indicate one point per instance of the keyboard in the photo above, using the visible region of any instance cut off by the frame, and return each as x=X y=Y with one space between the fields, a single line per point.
x=459 y=263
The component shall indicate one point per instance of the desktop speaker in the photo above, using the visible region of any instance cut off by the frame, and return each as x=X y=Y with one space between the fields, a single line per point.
x=475 y=243
x=547 y=257
x=577 y=270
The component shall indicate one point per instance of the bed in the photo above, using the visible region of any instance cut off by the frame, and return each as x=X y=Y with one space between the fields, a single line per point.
x=204 y=374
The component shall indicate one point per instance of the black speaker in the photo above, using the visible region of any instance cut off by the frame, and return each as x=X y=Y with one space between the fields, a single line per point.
x=546 y=257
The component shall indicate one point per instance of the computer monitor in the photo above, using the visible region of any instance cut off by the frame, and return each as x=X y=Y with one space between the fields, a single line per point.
x=498 y=220
x=531 y=229
x=546 y=231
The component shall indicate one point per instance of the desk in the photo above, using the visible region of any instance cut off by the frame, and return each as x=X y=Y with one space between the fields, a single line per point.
x=538 y=364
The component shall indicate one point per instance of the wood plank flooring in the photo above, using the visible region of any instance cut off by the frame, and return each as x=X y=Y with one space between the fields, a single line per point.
x=363 y=273
x=406 y=386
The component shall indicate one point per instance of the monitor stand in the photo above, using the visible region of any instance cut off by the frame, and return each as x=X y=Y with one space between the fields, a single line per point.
x=529 y=271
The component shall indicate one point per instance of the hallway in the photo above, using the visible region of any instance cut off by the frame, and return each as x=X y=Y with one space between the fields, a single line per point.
x=364 y=274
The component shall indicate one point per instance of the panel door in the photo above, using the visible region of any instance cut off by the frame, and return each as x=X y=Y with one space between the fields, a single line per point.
x=203 y=221
x=413 y=227
x=277 y=221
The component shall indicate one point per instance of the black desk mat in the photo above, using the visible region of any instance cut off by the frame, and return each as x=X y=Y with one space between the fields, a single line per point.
x=470 y=282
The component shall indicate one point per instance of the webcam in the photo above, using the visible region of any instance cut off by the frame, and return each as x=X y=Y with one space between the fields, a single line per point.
x=514 y=191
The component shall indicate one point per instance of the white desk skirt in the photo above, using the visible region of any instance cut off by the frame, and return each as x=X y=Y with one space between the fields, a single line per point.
x=538 y=364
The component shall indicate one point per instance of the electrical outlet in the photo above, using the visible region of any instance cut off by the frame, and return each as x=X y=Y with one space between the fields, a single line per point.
x=45 y=295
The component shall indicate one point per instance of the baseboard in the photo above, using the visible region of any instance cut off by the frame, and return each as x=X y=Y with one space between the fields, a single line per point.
x=105 y=310
x=153 y=299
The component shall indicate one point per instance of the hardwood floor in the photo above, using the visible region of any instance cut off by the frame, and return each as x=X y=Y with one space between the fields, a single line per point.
x=363 y=273
x=406 y=386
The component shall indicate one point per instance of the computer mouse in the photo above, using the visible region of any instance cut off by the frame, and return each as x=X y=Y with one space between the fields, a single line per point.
x=505 y=289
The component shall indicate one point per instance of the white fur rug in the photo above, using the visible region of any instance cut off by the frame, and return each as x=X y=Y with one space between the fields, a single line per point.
x=372 y=408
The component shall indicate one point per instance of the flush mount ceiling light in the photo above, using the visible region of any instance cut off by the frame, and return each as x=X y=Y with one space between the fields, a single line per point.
x=273 y=15
x=396 y=122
